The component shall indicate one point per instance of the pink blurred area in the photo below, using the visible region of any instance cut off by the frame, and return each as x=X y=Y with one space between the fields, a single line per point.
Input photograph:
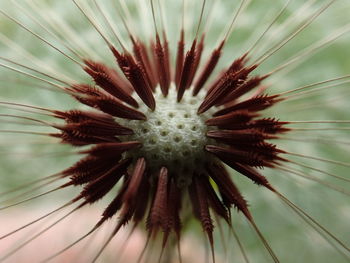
x=121 y=249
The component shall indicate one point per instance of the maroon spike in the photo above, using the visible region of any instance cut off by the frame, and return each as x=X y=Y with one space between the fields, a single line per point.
x=234 y=137
x=231 y=119
x=122 y=60
x=131 y=201
x=174 y=205
x=199 y=51
x=204 y=214
x=142 y=200
x=107 y=80
x=252 y=174
x=258 y=103
x=236 y=66
x=88 y=131
x=69 y=137
x=150 y=64
x=230 y=82
x=192 y=191
x=89 y=168
x=161 y=65
x=98 y=188
x=84 y=89
x=213 y=199
x=142 y=58
x=82 y=93
x=208 y=69
x=187 y=70
x=228 y=189
x=122 y=81
x=172 y=221
x=134 y=73
x=74 y=116
x=247 y=86
x=167 y=56
x=135 y=181
x=269 y=125
x=136 y=76
x=94 y=123
x=91 y=128
x=108 y=149
x=158 y=213
x=117 y=202
x=180 y=58
x=114 y=107
x=230 y=155
x=267 y=151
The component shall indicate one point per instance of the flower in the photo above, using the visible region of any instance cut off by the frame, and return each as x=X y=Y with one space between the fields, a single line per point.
x=158 y=126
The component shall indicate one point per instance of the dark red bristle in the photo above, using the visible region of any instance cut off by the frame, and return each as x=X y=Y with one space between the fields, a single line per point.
x=247 y=86
x=204 y=214
x=150 y=63
x=91 y=128
x=230 y=82
x=269 y=125
x=89 y=168
x=123 y=82
x=213 y=199
x=131 y=201
x=134 y=73
x=234 y=137
x=197 y=60
x=84 y=89
x=98 y=188
x=91 y=123
x=167 y=57
x=158 y=213
x=258 y=103
x=135 y=180
x=187 y=70
x=114 y=107
x=227 y=188
x=236 y=66
x=116 y=203
x=230 y=155
x=208 y=69
x=162 y=67
x=74 y=139
x=232 y=119
x=269 y=152
x=180 y=58
x=174 y=205
x=103 y=150
x=105 y=79
x=142 y=199
x=192 y=191
x=74 y=116
x=99 y=169
x=142 y=58
x=252 y=174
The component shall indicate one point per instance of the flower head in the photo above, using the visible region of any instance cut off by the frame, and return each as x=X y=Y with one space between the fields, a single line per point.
x=158 y=128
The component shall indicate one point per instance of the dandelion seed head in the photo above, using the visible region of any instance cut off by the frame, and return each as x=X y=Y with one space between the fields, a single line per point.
x=173 y=135
x=162 y=121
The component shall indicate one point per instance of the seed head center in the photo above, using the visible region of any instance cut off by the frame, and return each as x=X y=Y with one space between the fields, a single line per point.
x=173 y=135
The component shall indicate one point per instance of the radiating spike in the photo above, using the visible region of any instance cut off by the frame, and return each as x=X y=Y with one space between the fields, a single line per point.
x=108 y=80
x=134 y=73
x=208 y=69
x=187 y=70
